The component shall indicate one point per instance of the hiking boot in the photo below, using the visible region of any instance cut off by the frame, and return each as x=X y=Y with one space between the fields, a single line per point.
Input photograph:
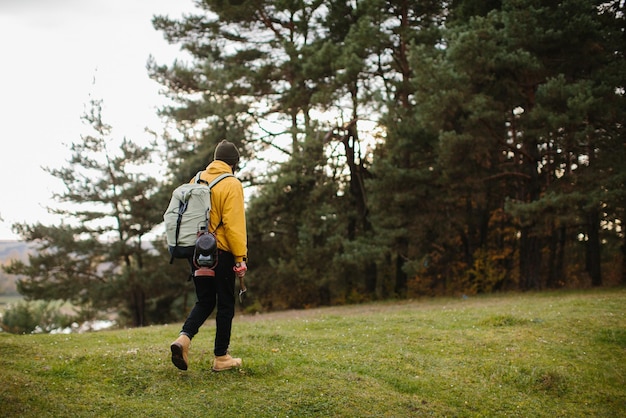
x=180 y=349
x=225 y=362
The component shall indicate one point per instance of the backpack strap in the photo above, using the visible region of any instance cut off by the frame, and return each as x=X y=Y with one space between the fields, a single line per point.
x=182 y=207
x=198 y=179
x=213 y=183
x=219 y=178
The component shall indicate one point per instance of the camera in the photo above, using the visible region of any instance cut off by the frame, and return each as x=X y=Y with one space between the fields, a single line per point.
x=205 y=254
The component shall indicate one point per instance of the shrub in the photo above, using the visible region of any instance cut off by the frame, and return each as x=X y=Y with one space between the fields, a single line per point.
x=26 y=317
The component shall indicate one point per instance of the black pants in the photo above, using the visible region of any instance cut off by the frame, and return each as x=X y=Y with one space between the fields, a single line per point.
x=215 y=291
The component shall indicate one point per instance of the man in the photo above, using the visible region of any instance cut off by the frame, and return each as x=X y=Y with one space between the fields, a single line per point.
x=227 y=219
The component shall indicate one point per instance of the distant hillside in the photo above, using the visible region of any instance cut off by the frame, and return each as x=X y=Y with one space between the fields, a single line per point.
x=10 y=250
x=13 y=249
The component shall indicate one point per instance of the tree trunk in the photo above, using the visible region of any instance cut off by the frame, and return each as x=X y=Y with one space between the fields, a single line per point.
x=371 y=275
x=530 y=260
x=593 y=248
x=624 y=260
x=361 y=224
x=560 y=256
x=556 y=254
x=138 y=306
x=400 y=287
x=530 y=245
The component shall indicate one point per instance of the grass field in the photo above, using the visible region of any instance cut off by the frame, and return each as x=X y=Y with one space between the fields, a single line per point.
x=528 y=355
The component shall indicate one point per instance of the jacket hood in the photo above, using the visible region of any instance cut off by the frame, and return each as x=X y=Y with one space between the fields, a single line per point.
x=218 y=167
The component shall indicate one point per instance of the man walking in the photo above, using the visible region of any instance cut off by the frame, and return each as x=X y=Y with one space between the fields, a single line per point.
x=227 y=220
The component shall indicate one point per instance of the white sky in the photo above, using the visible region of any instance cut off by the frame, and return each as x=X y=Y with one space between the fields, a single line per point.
x=51 y=51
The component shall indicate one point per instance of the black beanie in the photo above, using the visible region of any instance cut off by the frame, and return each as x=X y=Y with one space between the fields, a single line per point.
x=227 y=152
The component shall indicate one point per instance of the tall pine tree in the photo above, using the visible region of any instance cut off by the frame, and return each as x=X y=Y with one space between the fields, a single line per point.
x=97 y=258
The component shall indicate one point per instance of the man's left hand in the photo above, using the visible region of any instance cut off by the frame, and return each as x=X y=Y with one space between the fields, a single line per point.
x=240 y=269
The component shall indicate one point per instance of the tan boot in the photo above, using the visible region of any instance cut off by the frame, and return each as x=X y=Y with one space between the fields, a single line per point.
x=180 y=349
x=225 y=362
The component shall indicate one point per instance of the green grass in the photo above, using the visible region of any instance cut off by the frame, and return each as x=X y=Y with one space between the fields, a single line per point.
x=528 y=355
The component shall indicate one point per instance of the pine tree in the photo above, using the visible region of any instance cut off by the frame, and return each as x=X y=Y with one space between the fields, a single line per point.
x=525 y=108
x=279 y=68
x=97 y=257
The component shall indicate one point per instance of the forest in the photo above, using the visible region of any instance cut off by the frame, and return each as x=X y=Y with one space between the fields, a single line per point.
x=391 y=149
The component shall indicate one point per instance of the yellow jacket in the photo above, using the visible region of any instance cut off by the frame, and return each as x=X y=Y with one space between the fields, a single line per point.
x=227 y=206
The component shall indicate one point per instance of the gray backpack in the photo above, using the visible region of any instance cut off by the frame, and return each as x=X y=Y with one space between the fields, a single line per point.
x=188 y=214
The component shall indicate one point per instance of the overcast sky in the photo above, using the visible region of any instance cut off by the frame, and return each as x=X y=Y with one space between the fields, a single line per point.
x=55 y=55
